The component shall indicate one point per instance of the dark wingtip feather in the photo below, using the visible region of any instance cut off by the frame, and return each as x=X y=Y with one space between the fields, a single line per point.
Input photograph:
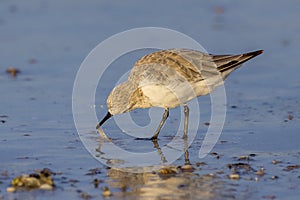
x=236 y=60
x=254 y=53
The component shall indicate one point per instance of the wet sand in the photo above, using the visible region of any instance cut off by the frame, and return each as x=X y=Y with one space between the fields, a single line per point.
x=257 y=155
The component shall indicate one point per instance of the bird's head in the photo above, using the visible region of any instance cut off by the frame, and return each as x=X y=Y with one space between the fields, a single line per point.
x=119 y=101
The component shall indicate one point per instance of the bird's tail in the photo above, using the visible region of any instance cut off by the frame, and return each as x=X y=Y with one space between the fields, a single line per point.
x=228 y=63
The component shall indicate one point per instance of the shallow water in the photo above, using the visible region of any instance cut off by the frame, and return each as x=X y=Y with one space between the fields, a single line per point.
x=48 y=41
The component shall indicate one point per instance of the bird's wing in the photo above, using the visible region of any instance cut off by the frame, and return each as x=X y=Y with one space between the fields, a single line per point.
x=192 y=65
x=210 y=65
x=167 y=59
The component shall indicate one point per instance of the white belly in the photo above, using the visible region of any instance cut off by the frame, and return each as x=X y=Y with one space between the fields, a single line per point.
x=176 y=93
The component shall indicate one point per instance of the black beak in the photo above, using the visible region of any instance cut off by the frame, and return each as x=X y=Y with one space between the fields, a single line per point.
x=107 y=116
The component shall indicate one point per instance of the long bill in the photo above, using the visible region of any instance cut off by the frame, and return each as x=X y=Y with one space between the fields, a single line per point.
x=107 y=116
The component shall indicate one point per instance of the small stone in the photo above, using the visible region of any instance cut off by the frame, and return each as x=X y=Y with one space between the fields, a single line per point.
x=275 y=162
x=260 y=172
x=96 y=182
x=31 y=182
x=198 y=164
x=12 y=71
x=234 y=176
x=46 y=187
x=243 y=158
x=236 y=166
x=215 y=154
x=40 y=180
x=106 y=192
x=93 y=172
x=291 y=167
x=290 y=117
x=187 y=168
x=167 y=171
x=10 y=189
x=206 y=123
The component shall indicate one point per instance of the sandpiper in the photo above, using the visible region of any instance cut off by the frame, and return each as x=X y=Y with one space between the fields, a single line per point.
x=171 y=78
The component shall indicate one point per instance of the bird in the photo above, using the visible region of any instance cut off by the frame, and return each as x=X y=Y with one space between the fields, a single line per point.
x=170 y=78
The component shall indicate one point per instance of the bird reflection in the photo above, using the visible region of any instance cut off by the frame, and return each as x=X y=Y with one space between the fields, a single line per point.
x=166 y=182
x=159 y=151
x=169 y=182
x=103 y=140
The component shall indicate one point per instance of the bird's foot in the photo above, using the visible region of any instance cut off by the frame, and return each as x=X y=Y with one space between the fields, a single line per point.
x=145 y=139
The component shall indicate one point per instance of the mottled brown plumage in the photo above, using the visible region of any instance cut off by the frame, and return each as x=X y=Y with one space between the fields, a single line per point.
x=170 y=78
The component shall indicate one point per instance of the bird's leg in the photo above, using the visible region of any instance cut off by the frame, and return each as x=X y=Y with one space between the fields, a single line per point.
x=186 y=152
x=186 y=121
x=162 y=122
x=162 y=157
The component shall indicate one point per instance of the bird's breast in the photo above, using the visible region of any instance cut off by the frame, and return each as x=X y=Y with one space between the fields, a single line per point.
x=167 y=96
